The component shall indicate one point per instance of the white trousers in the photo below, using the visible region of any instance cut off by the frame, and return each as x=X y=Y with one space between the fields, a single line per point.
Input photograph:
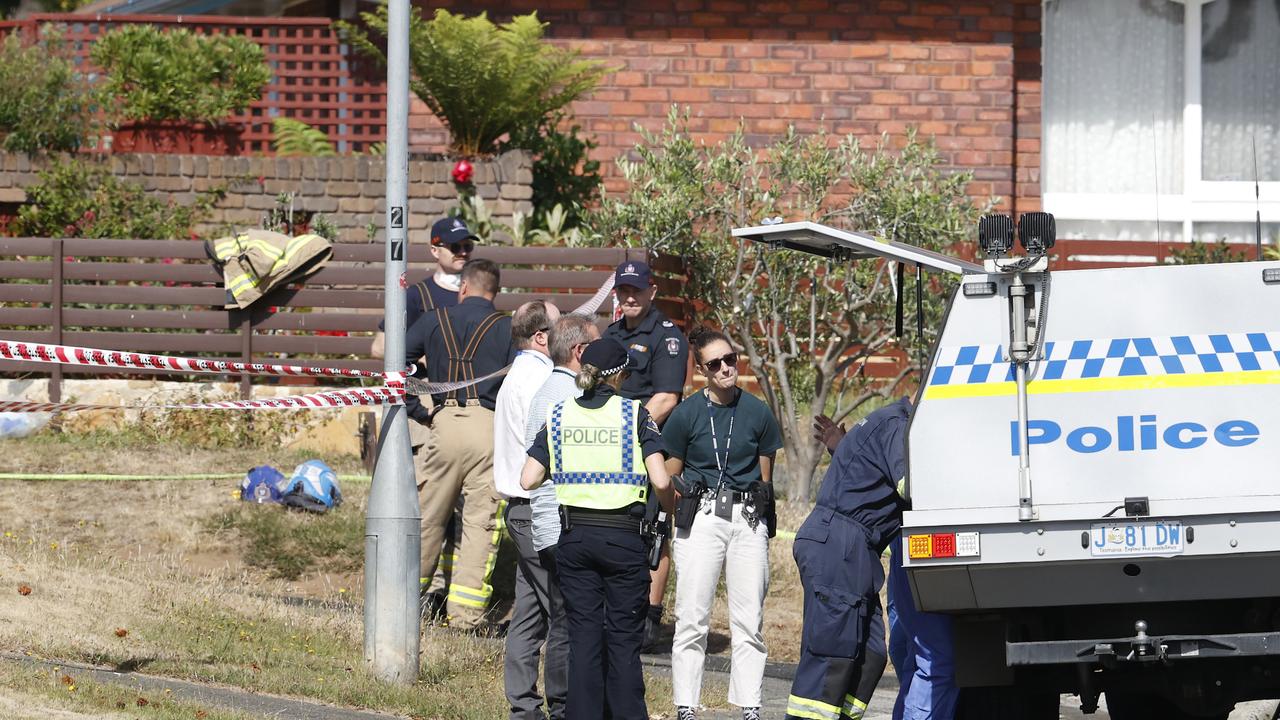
x=700 y=553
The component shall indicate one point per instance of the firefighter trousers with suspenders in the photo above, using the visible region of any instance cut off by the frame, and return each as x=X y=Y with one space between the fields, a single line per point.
x=458 y=462
x=419 y=434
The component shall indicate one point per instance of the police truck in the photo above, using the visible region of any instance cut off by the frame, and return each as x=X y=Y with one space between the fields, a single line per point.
x=1094 y=475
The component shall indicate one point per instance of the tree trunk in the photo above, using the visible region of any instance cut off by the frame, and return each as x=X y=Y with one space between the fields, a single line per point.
x=803 y=456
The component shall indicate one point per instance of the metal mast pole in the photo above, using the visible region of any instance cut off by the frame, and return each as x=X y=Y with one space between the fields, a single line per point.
x=391 y=538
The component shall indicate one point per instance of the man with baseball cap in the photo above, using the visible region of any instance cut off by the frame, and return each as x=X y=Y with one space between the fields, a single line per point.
x=659 y=364
x=451 y=245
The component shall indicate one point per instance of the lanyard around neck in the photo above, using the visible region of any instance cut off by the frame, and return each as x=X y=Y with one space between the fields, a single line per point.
x=721 y=467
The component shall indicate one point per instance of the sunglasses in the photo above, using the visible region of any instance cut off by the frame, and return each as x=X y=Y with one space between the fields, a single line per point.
x=714 y=365
x=462 y=248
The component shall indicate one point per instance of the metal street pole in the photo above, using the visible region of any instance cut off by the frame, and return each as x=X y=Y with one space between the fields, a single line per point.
x=391 y=537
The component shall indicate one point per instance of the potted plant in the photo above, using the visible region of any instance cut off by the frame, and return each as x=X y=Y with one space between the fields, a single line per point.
x=172 y=91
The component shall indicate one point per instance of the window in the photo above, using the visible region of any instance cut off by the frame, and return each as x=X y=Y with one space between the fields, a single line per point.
x=1159 y=115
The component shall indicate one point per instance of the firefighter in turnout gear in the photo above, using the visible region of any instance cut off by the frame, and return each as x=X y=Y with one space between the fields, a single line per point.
x=604 y=454
x=465 y=342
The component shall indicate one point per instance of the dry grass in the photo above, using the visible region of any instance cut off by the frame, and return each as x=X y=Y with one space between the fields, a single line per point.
x=165 y=621
x=130 y=451
x=51 y=693
x=159 y=561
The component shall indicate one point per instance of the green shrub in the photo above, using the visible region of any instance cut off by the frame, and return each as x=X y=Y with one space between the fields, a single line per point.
x=151 y=74
x=77 y=198
x=564 y=176
x=1199 y=253
x=47 y=102
x=482 y=80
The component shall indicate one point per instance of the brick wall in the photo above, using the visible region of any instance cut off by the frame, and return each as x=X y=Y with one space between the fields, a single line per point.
x=967 y=73
x=348 y=190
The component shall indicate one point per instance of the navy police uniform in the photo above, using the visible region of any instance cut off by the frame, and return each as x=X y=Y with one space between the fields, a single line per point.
x=659 y=351
x=837 y=549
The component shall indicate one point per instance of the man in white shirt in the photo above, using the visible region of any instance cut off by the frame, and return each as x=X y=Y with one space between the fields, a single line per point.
x=530 y=331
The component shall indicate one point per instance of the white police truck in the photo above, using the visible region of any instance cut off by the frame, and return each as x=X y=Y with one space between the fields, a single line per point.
x=1094 y=477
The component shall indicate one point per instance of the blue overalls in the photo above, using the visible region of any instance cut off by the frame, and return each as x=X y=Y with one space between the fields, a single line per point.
x=923 y=653
x=842 y=651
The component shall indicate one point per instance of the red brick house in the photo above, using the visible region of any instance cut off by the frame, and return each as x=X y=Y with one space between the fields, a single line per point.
x=1137 y=120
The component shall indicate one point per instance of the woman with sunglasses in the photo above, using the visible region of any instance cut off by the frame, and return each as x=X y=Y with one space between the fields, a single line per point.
x=722 y=442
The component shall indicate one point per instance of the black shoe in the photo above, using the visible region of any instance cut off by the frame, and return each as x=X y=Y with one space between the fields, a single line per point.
x=431 y=606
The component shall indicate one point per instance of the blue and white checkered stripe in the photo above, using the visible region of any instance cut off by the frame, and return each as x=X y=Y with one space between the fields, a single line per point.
x=555 y=426
x=600 y=478
x=1115 y=357
x=628 y=433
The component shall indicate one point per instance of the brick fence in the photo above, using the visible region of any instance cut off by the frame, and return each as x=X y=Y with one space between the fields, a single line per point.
x=348 y=190
x=967 y=73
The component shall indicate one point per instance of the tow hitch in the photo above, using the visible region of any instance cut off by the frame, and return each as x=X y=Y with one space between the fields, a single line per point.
x=1142 y=648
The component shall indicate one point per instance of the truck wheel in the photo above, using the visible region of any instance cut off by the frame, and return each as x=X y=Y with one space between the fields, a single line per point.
x=1139 y=706
x=1006 y=703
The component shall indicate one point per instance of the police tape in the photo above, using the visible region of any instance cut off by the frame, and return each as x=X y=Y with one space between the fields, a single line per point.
x=395 y=386
x=70 y=355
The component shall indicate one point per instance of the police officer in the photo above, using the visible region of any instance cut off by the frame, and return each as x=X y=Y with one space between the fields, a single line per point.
x=837 y=549
x=604 y=454
x=465 y=342
x=660 y=357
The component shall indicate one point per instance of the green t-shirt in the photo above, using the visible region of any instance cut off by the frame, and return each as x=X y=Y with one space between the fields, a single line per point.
x=687 y=435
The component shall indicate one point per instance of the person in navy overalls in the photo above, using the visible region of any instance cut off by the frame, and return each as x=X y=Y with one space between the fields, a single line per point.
x=858 y=512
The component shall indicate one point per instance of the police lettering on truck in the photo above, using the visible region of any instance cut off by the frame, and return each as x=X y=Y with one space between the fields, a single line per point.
x=1128 y=436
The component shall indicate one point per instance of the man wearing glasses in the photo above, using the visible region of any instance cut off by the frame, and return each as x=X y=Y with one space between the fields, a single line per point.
x=660 y=362
x=451 y=246
x=531 y=332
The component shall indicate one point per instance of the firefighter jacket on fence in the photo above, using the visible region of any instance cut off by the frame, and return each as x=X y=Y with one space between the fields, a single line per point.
x=596 y=461
x=255 y=262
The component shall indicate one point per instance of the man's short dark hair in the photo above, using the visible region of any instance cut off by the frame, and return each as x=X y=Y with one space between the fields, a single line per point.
x=483 y=275
x=569 y=332
x=528 y=320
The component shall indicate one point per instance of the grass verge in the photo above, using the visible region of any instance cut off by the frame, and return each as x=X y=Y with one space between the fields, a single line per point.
x=33 y=693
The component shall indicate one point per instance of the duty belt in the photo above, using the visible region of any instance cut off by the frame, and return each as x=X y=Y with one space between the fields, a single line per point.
x=597 y=518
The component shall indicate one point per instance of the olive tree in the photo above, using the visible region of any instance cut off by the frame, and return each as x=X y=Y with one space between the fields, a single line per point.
x=808 y=327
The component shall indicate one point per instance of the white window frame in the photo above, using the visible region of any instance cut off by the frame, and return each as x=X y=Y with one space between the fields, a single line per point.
x=1201 y=201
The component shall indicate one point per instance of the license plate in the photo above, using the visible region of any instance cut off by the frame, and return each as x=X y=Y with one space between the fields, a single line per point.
x=1146 y=537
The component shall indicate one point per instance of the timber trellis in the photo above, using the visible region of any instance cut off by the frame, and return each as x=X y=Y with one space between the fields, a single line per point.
x=164 y=296
x=316 y=78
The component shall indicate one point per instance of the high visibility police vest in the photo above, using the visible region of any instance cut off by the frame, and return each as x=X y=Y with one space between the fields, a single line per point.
x=596 y=461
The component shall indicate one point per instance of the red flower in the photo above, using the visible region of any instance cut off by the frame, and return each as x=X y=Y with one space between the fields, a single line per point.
x=462 y=172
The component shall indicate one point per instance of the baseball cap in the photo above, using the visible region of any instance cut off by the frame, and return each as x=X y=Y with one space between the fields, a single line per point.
x=635 y=274
x=450 y=230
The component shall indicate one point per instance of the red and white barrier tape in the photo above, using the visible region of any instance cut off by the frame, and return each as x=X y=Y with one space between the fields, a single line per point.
x=69 y=355
x=392 y=393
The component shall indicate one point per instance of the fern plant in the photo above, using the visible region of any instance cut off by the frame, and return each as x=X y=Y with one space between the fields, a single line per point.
x=484 y=81
x=294 y=137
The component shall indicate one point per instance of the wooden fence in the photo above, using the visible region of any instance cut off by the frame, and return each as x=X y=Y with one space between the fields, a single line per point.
x=164 y=296
x=315 y=77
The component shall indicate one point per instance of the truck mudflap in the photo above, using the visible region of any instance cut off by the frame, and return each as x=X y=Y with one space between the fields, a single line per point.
x=1142 y=648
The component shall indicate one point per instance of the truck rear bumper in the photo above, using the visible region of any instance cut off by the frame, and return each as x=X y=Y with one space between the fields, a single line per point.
x=1138 y=650
x=1040 y=564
